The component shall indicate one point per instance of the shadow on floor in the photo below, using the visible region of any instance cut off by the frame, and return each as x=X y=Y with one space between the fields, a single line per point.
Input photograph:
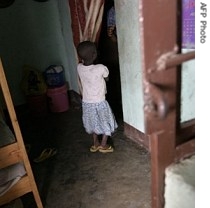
x=77 y=178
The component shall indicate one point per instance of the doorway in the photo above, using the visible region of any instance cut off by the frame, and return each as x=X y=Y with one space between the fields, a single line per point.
x=108 y=55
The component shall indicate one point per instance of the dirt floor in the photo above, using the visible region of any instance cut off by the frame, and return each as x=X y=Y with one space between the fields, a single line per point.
x=77 y=178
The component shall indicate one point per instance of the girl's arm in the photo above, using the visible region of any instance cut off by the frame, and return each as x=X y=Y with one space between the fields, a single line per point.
x=80 y=85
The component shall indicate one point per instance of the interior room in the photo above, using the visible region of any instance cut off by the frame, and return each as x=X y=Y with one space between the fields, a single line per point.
x=150 y=91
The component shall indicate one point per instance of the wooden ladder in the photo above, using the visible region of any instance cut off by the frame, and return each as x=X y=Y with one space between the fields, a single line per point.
x=15 y=153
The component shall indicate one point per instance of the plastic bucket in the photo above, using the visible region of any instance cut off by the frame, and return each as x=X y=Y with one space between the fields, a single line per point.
x=58 y=99
x=54 y=76
x=37 y=105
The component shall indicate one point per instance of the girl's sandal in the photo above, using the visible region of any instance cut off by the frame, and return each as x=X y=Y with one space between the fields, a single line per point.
x=106 y=150
x=94 y=148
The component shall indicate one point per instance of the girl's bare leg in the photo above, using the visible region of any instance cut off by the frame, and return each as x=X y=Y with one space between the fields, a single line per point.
x=95 y=140
x=105 y=148
x=104 y=141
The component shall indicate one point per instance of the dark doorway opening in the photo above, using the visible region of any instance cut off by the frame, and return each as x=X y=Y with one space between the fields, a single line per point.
x=108 y=55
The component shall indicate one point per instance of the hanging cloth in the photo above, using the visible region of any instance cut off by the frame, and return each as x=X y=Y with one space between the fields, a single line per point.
x=86 y=16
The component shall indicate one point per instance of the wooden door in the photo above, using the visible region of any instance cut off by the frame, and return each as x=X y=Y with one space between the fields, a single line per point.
x=169 y=139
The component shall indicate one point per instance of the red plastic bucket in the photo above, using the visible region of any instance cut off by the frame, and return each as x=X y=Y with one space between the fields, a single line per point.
x=58 y=99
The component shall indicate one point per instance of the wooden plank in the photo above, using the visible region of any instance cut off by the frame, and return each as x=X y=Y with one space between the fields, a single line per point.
x=21 y=188
x=162 y=155
x=179 y=59
x=158 y=43
x=173 y=61
x=160 y=87
x=10 y=155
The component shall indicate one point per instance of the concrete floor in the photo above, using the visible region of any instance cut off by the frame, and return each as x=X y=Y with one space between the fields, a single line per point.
x=77 y=178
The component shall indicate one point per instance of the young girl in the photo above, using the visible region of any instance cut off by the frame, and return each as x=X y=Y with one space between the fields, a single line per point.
x=97 y=116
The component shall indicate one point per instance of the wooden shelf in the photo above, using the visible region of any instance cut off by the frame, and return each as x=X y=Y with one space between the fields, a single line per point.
x=10 y=155
x=15 y=153
x=21 y=188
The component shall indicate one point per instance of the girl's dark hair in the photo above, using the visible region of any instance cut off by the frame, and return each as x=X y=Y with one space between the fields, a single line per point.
x=86 y=49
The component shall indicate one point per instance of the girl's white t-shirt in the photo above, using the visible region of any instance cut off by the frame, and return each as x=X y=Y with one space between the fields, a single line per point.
x=93 y=83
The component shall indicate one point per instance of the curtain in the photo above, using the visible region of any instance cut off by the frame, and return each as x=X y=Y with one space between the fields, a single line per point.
x=86 y=18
